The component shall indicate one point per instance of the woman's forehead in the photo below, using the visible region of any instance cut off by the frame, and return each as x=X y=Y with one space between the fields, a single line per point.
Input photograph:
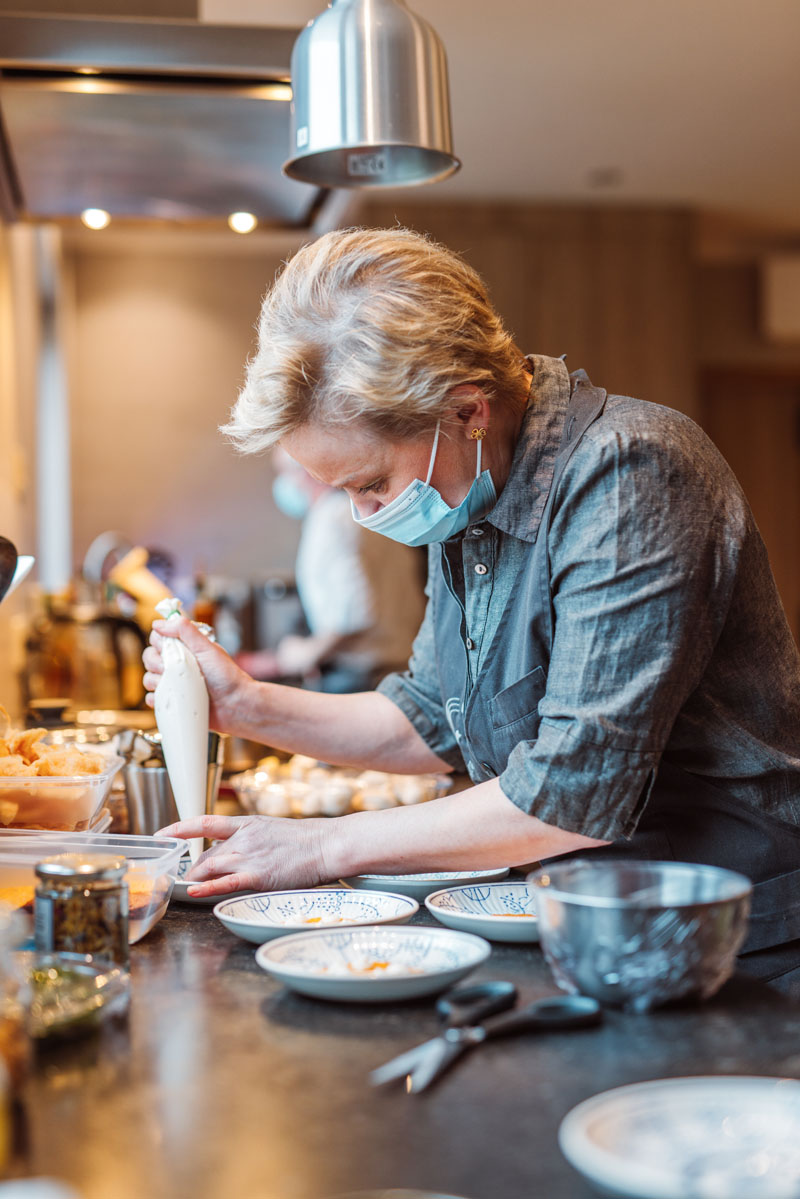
x=333 y=454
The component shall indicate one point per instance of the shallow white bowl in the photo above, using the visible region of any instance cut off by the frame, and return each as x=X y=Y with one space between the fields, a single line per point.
x=331 y=964
x=725 y=1137
x=418 y=886
x=261 y=917
x=499 y=911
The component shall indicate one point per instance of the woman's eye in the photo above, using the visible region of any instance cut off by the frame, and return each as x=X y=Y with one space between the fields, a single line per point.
x=378 y=485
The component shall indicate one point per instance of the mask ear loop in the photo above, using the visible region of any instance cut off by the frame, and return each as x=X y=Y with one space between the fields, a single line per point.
x=478 y=435
x=433 y=453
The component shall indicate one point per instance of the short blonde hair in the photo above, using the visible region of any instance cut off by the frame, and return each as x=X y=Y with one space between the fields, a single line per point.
x=371 y=325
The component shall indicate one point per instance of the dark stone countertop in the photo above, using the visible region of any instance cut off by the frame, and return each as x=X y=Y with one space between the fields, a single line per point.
x=222 y=1083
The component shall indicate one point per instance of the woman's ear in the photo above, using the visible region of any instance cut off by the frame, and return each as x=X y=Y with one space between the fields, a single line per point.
x=470 y=407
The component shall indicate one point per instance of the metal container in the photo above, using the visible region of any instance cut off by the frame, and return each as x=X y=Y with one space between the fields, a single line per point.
x=150 y=802
x=636 y=934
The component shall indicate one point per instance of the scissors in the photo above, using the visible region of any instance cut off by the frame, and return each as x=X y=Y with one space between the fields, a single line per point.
x=463 y=1011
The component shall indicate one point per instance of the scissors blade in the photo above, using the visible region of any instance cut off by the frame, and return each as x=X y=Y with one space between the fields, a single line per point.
x=438 y=1059
x=404 y=1063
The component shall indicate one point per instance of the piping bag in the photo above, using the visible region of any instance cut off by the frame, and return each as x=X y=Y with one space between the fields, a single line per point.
x=181 y=708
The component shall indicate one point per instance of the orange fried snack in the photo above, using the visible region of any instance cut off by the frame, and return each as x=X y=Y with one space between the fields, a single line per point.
x=24 y=754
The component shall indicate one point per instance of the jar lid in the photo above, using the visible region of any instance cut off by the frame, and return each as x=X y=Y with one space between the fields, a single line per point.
x=85 y=866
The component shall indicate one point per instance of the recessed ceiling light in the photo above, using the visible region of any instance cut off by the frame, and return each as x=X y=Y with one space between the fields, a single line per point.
x=242 y=222
x=95 y=218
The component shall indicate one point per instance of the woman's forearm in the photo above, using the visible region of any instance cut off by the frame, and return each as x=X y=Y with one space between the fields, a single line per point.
x=365 y=730
x=477 y=828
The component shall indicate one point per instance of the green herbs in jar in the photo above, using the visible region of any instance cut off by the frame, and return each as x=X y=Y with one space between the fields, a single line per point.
x=81 y=906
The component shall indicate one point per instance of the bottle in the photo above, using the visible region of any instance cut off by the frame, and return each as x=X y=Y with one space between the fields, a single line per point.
x=204 y=609
x=181 y=709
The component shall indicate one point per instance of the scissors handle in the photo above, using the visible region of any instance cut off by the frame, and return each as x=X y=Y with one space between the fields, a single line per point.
x=560 y=1012
x=470 y=1005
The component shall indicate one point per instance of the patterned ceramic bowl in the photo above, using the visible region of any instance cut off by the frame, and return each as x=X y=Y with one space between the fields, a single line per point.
x=373 y=965
x=259 y=918
x=636 y=934
x=420 y=885
x=499 y=911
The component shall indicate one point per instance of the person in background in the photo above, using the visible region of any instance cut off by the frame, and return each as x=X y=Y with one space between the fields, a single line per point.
x=362 y=595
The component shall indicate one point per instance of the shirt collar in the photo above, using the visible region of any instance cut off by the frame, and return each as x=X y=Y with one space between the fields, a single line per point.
x=519 y=509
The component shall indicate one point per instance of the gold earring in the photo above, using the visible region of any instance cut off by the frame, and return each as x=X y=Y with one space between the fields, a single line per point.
x=478 y=434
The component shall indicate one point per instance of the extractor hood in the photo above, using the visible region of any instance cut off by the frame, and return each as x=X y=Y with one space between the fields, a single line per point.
x=170 y=120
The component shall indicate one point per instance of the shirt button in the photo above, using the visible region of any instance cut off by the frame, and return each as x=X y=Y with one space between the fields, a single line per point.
x=480 y=569
x=470 y=643
x=476 y=531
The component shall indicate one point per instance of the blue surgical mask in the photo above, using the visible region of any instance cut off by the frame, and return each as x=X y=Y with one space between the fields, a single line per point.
x=292 y=499
x=419 y=515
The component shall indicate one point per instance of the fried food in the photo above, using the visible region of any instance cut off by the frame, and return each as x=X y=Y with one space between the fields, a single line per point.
x=24 y=754
x=47 y=786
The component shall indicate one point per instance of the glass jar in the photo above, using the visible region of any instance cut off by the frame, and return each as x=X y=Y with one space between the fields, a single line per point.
x=14 y=1042
x=81 y=906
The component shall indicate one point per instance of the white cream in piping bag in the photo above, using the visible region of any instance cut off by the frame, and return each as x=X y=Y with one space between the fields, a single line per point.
x=181 y=708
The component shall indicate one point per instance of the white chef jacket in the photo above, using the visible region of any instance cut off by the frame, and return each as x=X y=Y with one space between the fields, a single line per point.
x=352 y=581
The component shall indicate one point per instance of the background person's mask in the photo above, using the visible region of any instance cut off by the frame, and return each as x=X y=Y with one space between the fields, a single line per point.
x=292 y=499
x=419 y=515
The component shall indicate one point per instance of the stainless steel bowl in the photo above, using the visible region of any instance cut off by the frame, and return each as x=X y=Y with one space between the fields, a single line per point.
x=636 y=934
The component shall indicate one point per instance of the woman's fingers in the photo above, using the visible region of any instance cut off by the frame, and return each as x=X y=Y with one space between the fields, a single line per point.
x=222 y=886
x=216 y=828
x=185 y=631
x=152 y=660
x=222 y=866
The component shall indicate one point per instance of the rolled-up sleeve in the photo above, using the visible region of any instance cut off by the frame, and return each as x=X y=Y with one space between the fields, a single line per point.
x=643 y=564
x=417 y=693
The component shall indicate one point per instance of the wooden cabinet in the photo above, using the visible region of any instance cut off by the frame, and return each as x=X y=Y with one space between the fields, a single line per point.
x=754 y=418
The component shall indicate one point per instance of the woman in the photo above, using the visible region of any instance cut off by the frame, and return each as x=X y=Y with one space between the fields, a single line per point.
x=604 y=648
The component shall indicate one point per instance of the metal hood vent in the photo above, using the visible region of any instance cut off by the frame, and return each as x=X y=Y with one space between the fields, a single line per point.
x=169 y=120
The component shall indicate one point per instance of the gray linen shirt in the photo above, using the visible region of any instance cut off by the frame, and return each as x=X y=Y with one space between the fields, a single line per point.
x=670 y=639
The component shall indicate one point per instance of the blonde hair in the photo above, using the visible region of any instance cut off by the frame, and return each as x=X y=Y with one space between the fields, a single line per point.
x=371 y=325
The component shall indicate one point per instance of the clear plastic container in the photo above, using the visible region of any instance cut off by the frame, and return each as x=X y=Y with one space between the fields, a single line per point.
x=152 y=862
x=58 y=804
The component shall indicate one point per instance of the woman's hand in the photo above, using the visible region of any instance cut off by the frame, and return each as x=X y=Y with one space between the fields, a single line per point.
x=228 y=685
x=255 y=853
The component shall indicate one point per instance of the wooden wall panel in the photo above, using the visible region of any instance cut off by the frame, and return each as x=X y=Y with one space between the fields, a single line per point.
x=164 y=9
x=610 y=287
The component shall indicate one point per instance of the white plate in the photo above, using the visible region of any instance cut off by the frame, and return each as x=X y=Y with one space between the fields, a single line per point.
x=726 y=1137
x=259 y=918
x=500 y=911
x=419 y=886
x=330 y=964
x=180 y=891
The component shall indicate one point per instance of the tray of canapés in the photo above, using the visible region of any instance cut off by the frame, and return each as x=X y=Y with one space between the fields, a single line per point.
x=302 y=786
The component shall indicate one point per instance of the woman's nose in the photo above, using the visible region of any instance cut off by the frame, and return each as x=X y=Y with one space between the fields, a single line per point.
x=366 y=505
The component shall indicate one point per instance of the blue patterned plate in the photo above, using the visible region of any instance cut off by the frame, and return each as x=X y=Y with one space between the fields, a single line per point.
x=372 y=965
x=721 y=1137
x=418 y=886
x=499 y=911
x=259 y=918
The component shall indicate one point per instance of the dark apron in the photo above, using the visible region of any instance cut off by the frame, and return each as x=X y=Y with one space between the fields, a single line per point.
x=685 y=817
